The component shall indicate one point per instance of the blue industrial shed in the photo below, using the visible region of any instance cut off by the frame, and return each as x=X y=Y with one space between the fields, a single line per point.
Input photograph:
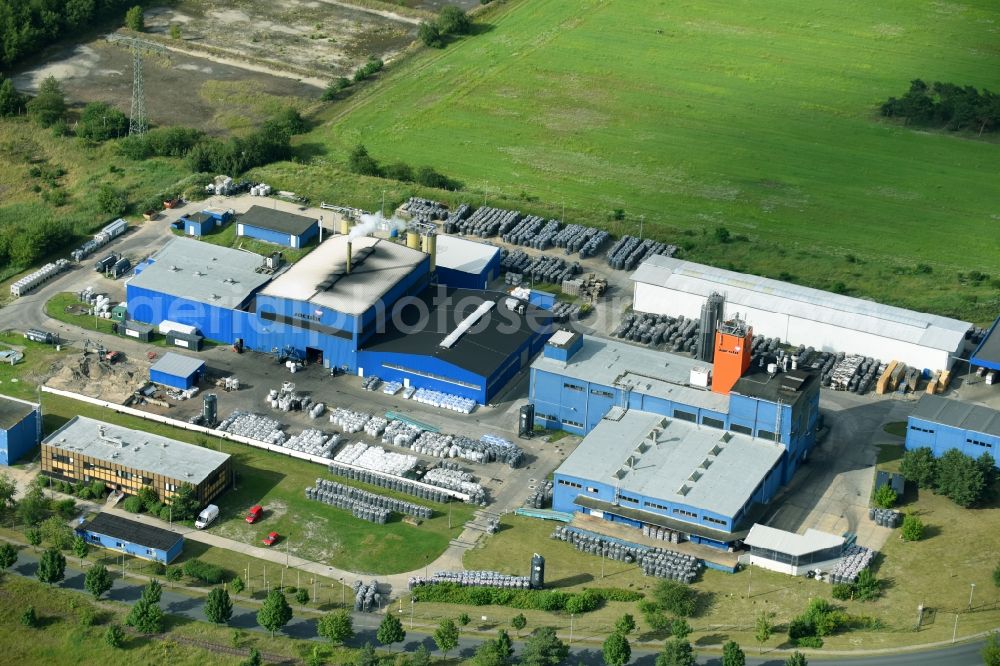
x=203 y=222
x=465 y=264
x=647 y=470
x=277 y=226
x=20 y=429
x=177 y=370
x=943 y=424
x=132 y=537
x=987 y=354
x=578 y=379
x=478 y=363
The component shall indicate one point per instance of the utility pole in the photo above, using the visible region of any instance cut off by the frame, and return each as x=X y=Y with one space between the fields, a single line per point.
x=411 y=612
x=972 y=591
x=954 y=632
x=642 y=220
x=343 y=595
x=749 y=578
x=571 y=616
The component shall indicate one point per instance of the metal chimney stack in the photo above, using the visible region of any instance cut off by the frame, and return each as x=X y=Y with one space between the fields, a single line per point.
x=711 y=315
x=348 y=257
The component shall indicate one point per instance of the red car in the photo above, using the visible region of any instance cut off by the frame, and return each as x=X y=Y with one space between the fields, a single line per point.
x=270 y=539
x=255 y=513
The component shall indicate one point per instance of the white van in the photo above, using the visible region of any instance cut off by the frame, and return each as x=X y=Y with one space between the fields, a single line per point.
x=207 y=515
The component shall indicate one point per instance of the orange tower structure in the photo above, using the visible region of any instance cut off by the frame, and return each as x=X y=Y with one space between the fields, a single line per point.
x=733 y=342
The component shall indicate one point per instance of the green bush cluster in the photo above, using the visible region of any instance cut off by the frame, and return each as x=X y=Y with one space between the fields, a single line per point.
x=545 y=600
x=820 y=619
x=359 y=161
x=946 y=105
x=452 y=21
x=965 y=480
x=203 y=571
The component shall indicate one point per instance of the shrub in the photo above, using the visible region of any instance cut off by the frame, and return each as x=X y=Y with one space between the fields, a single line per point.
x=132 y=504
x=884 y=497
x=203 y=571
x=809 y=642
x=135 y=19
x=66 y=508
x=334 y=87
x=100 y=122
x=111 y=201
x=913 y=528
x=453 y=21
x=399 y=171
x=547 y=600
x=174 y=574
x=674 y=597
x=842 y=591
x=430 y=35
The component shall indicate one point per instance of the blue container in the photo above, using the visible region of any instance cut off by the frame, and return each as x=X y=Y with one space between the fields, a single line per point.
x=394 y=233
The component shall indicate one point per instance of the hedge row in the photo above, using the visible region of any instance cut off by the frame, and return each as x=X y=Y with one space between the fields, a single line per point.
x=546 y=600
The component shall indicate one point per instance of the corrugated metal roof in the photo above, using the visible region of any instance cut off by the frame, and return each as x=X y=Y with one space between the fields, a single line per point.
x=177 y=365
x=132 y=531
x=769 y=295
x=464 y=255
x=277 y=220
x=202 y=272
x=987 y=354
x=136 y=449
x=958 y=414
x=790 y=543
x=353 y=293
x=648 y=371
x=673 y=460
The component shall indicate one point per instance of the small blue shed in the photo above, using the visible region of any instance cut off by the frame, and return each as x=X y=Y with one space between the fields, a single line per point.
x=20 y=429
x=466 y=264
x=132 y=537
x=177 y=370
x=203 y=222
x=277 y=226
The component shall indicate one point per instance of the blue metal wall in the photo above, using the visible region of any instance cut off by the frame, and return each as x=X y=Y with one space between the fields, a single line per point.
x=111 y=543
x=20 y=439
x=576 y=406
x=192 y=228
x=373 y=364
x=942 y=438
x=160 y=377
x=267 y=235
x=450 y=277
x=215 y=323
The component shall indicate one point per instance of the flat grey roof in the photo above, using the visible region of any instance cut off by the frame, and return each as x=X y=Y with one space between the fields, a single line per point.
x=958 y=414
x=204 y=273
x=277 y=220
x=13 y=411
x=137 y=449
x=463 y=255
x=659 y=457
x=177 y=365
x=352 y=293
x=987 y=353
x=790 y=543
x=648 y=371
x=762 y=293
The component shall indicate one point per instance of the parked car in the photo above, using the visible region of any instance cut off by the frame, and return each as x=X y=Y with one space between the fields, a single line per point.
x=255 y=514
x=271 y=538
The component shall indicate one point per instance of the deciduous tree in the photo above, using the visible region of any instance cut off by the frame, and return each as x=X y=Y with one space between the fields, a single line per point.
x=544 y=648
x=390 y=631
x=51 y=567
x=275 y=613
x=97 y=581
x=446 y=636
x=616 y=650
x=337 y=627
x=218 y=606
x=732 y=654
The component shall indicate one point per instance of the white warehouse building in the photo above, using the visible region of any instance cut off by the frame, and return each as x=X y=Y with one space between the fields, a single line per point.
x=801 y=315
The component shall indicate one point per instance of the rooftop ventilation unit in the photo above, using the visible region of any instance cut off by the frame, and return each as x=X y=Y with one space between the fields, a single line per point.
x=466 y=324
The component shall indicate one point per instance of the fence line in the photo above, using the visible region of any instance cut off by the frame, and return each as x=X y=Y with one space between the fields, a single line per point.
x=222 y=434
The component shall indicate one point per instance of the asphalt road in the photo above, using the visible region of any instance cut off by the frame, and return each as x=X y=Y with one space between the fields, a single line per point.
x=365 y=624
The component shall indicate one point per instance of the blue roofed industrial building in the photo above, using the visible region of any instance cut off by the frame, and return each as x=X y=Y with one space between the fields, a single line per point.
x=623 y=398
x=943 y=424
x=640 y=468
x=20 y=429
x=132 y=537
x=277 y=226
x=478 y=363
x=341 y=306
x=177 y=371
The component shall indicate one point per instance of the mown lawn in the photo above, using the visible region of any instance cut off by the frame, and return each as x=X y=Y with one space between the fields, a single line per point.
x=760 y=117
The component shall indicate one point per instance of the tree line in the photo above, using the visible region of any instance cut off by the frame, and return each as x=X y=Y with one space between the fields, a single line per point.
x=946 y=105
x=967 y=481
x=27 y=26
x=359 y=161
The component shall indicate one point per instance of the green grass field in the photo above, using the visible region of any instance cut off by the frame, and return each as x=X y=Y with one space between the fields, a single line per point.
x=757 y=117
x=912 y=574
x=312 y=530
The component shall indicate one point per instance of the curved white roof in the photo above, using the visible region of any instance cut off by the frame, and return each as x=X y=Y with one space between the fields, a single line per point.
x=769 y=295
